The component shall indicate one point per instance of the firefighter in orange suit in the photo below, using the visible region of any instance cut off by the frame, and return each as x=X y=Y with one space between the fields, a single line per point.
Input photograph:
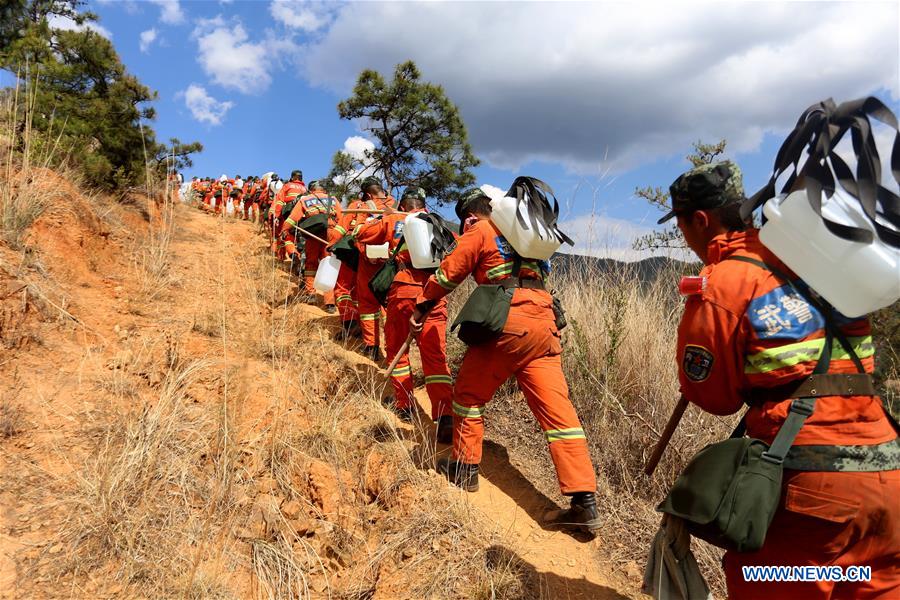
x=751 y=337
x=528 y=348
x=401 y=302
x=293 y=188
x=370 y=314
x=317 y=202
x=345 y=287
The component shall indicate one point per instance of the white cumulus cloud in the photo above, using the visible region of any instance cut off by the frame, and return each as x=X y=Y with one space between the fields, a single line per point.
x=170 y=11
x=615 y=85
x=66 y=24
x=204 y=107
x=229 y=57
x=300 y=14
x=357 y=147
x=147 y=39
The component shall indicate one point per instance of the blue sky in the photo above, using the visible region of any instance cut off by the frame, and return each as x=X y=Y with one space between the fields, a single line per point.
x=594 y=98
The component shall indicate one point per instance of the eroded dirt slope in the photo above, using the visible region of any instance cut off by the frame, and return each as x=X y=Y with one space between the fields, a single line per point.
x=173 y=424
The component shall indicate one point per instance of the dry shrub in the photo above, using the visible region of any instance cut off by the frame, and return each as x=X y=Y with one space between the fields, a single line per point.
x=153 y=252
x=136 y=506
x=13 y=420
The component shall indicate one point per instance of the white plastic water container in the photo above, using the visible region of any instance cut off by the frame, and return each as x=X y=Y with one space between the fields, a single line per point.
x=377 y=251
x=327 y=274
x=855 y=278
x=419 y=234
x=537 y=243
x=229 y=208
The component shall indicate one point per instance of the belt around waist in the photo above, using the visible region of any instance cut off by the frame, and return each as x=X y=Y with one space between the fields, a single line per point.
x=815 y=386
x=530 y=284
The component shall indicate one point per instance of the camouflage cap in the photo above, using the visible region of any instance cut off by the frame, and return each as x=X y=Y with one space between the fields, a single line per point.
x=314 y=184
x=706 y=187
x=414 y=192
x=368 y=182
x=467 y=197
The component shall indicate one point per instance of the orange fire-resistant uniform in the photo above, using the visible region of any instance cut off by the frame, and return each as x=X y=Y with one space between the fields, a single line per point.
x=741 y=341
x=345 y=288
x=401 y=303
x=287 y=193
x=370 y=313
x=529 y=348
x=311 y=205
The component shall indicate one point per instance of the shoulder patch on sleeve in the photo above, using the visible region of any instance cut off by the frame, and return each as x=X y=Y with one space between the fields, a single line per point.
x=451 y=247
x=697 y=363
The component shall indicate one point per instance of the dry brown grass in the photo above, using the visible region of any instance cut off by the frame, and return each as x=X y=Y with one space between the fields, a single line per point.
x=137 y=504
x=619 y=362
x=13 y=420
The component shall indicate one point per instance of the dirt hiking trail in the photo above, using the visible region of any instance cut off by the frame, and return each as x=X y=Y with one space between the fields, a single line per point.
x=87 y=339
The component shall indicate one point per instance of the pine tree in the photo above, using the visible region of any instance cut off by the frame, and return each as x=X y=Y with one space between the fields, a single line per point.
x=670 y=238
x=81 y=95
x=420 y=138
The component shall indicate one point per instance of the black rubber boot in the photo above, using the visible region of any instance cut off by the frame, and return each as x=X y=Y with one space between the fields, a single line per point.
x=461 y=475
x=373 y=352
x=330 y=309
x=581 y=514
x=445 y=430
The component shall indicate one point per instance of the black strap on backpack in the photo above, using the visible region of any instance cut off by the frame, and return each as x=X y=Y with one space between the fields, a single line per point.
x=534 y=194
x=819 y=130
x=802 y=406
x=442 y=233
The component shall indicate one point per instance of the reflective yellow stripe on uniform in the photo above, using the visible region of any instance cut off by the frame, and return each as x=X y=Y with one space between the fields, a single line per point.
x=290 y=222
x=472 y=412
x=401 y=371
x=438 y=379
x=369 y=317
x=506 y=268
x=340 y=230
x=789 y=355
x=555 y=435
x=443 y=281
x=344 y=298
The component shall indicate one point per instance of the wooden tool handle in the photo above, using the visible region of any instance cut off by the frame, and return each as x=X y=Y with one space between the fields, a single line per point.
x=400 y=353
x=312 y=235
x=666 y=436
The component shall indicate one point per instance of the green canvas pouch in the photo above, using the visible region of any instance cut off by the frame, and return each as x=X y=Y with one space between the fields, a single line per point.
x=345 y=250
x=484 y=314
x=316 y=224
x=728 y=494
x=381 y=282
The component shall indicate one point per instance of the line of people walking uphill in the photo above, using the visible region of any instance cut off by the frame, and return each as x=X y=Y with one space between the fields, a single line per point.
x=752 y=334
